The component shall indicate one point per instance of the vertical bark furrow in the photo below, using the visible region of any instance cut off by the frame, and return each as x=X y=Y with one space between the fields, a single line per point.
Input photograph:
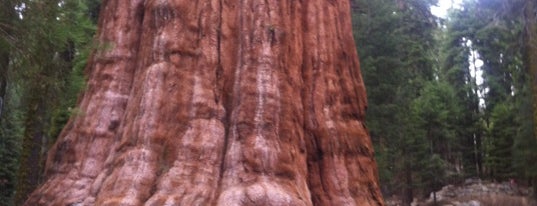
x=260 y=168
x=311 y=66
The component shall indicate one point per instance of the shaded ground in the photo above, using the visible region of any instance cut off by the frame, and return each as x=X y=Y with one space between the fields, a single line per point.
x=477 y=193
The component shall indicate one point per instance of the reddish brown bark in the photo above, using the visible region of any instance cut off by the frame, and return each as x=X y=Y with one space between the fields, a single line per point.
x=218 y=102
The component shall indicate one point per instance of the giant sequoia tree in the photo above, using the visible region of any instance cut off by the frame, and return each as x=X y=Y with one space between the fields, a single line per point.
x=217 y=102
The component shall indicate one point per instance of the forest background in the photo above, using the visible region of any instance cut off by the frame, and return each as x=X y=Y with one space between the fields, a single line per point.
x=450 y=98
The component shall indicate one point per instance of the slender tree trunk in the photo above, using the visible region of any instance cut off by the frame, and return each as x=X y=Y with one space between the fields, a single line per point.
x=218 y=102
x=530 y=37
x=8 y=141
x=30 y=170
x=408 y=190
x=4 y=64
x=7 y=16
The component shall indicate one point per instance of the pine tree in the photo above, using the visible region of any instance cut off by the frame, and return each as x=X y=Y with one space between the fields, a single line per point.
x=396 y=42
x=10 y=127
x=526 y=138
x=456 y=69
x=41 y=43
x=493 y=31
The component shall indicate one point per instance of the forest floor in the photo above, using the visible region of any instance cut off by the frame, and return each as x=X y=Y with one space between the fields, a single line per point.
x=476 y=193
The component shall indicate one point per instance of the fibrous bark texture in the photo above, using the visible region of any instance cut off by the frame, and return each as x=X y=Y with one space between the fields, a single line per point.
x=218 y=102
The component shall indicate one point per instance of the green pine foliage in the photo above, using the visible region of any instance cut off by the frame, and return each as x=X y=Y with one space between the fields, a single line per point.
x=10 y=114
x=495 y=32
x=46 y=47
x=395 y=40
x=10 y=130
x=433 y=118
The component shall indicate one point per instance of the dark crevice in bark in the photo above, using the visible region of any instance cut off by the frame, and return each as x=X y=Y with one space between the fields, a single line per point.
x=141 y=16
x=307 y=96
x=222 y=95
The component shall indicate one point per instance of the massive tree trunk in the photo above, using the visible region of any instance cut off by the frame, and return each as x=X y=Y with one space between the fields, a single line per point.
x=218 y=102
